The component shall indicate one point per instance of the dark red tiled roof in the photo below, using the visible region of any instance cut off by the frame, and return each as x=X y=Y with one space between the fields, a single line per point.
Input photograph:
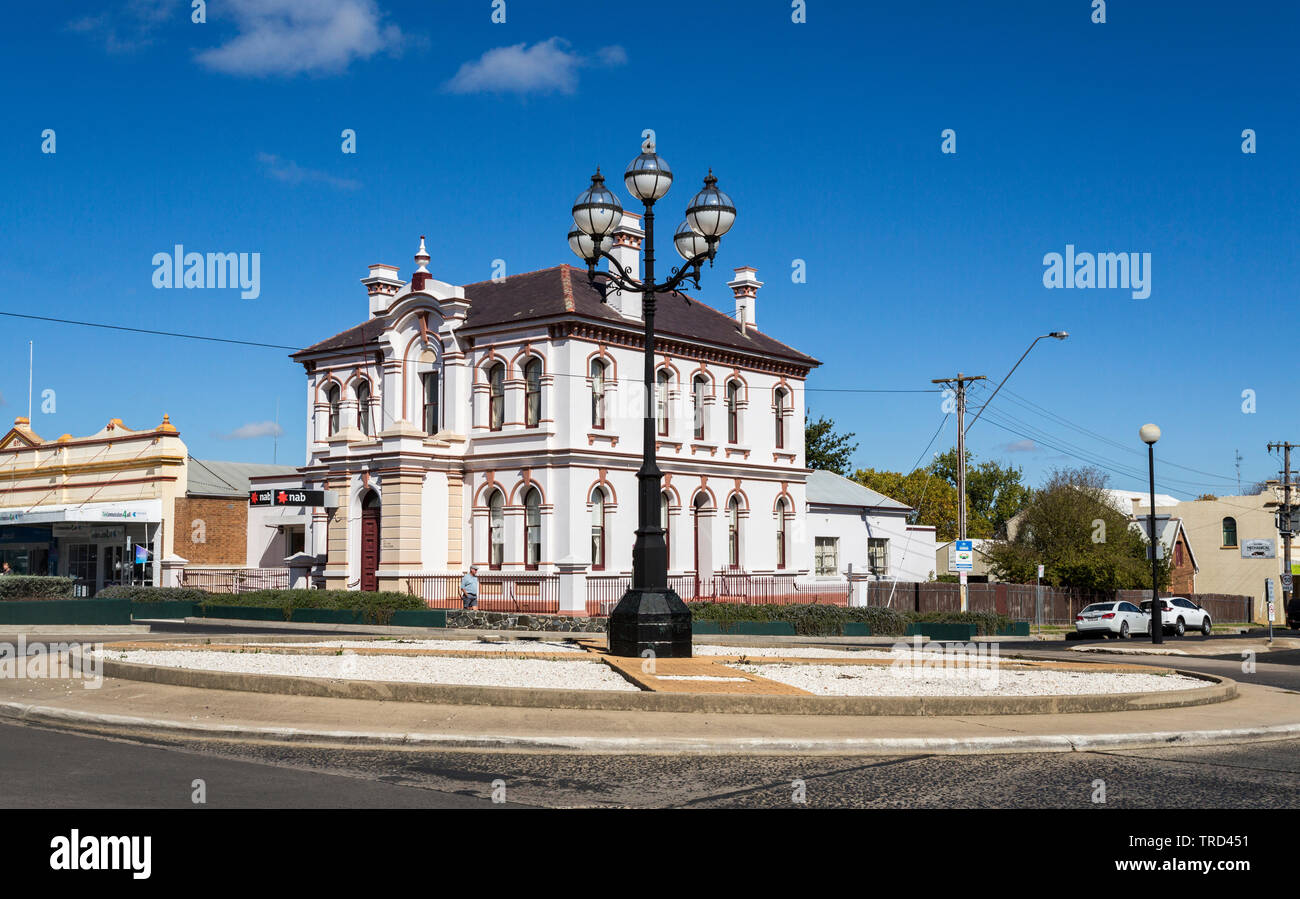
x=564 y=292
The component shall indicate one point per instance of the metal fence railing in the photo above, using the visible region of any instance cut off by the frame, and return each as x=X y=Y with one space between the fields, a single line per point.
x=235 y=580
x=535 y=593
x=604 y=591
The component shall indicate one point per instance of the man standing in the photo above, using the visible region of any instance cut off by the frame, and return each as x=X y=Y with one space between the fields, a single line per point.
x=469 y=589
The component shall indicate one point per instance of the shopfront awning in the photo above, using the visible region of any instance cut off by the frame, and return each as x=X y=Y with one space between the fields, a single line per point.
x=135 y=512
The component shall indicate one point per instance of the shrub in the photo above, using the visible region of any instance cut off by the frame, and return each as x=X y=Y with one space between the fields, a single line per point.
x=154 y=594
x=809 y=619
x=377 y=608
x=16 y=587
x=987 y=623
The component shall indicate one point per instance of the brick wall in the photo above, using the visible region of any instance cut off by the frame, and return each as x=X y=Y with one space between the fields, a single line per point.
x=223 y=534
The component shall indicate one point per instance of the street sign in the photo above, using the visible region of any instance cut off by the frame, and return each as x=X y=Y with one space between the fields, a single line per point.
x=1286 y=582
x=964 y=551
x=286 y=497
x=1040 y=572
x=1268 y=594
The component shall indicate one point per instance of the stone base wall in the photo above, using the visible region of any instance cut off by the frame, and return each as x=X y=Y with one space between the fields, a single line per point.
x=512 y=621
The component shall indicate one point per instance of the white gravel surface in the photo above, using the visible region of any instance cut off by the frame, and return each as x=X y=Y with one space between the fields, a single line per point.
x=843 y=680
x=488 y=672
x=515 y=646
x=791 y=652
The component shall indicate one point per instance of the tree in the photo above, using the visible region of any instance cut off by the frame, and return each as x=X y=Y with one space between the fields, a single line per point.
x=1070 y=527
x=993 y=494
x=933 y=498
x=826 y=450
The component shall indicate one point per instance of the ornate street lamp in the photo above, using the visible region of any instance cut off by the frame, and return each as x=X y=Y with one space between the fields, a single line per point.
x=1150 y=434
x=650 y=619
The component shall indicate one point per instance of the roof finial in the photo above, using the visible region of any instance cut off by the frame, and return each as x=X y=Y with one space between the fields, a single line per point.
x=422 y=257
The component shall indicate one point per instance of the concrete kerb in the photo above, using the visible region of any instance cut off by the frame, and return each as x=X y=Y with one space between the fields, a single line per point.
x=1221 y=689
x=163 y=730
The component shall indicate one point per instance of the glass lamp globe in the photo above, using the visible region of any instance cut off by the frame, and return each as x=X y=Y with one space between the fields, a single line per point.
x=711 y=212
x=1149 y=433
x=648 y=177
x=597 y=211
x=584 y=245
x=689 y=243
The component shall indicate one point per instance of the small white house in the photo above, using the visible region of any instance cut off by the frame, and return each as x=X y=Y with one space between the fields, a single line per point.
x=854 y=529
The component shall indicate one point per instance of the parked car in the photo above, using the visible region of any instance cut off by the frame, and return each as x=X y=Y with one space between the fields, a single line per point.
x=1112 y=619
x=1179 y=615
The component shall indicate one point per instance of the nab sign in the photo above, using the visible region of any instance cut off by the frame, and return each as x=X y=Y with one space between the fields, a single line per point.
x=286 y=497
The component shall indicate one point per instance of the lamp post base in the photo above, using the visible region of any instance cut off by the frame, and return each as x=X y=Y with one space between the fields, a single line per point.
x=654 y=621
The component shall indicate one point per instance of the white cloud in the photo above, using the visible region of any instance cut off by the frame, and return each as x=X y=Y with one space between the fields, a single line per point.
x=545 y=67
x=252 y=431
x=291 y=37
x=131 y=27
x=290 y=172
x=1022 y=446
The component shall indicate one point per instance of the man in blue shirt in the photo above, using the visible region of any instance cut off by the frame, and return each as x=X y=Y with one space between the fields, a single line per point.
x=469 y=589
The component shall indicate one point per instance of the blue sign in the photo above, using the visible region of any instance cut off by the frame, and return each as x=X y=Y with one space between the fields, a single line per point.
x=964 y=552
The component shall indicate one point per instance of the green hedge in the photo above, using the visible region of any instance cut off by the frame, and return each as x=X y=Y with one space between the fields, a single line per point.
x=376 y=608
x=809 y=619
x=987 y=623
x=154 y=594
x=17 y=587
x=820 y=620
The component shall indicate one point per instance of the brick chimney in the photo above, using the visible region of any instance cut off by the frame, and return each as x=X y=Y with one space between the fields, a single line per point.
x=745 y=287
x=382 y=285
x=626 y=248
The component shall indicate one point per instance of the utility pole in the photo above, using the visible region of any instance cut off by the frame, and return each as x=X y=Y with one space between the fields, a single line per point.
x=961 y=381
x=1284 y=521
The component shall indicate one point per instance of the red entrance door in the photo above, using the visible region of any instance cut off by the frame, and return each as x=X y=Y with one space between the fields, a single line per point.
x=370 y=543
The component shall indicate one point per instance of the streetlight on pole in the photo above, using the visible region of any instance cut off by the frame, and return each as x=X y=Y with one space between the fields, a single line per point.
x=1150 y=434
x=1058 y=335
x=650 y=619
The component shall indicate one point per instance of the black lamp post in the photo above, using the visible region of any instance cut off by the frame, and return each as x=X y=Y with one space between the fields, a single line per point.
x=1150 y=434
x=651 y=618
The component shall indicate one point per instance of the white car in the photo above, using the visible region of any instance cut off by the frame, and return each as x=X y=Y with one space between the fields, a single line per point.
x=1112 y=619
x=1180 y=615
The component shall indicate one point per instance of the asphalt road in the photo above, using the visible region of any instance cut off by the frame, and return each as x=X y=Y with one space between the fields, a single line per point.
x=47 y=769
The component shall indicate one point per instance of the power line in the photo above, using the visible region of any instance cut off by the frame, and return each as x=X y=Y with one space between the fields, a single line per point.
x=68 y=321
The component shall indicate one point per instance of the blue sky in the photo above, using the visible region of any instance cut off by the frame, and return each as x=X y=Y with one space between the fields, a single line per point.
x=225 y=136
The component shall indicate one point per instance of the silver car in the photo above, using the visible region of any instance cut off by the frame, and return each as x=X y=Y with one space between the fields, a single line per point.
x=1112 y=619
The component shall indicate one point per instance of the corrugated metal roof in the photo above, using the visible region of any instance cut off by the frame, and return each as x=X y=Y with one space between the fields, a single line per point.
x=829 y=489
x=211 y=478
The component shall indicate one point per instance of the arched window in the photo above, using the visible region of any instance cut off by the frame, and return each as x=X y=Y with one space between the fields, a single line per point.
x=661 y=402
x=699 y=385
x=363 y=406
x=664 y=504
x=432 y=419
x=496 y=396
x=733 y=411
x=332 y=396
x=1229 y=532
x=733 y=532
x=780 y=418
x=496 y=529
x=598 y=529
x=533 y=392
x=532 y=528
x=597 y=393
x=780 y=533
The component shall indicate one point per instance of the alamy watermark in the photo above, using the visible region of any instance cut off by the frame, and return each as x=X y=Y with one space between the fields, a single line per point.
x=1126 y=271
x=53 y=661
x=963 y=661
x=179 y=269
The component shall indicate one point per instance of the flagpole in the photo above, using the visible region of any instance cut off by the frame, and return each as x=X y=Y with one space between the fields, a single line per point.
x=30 y=357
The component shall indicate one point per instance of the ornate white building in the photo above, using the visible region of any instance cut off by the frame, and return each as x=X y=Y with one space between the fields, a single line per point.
x=500 y=423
